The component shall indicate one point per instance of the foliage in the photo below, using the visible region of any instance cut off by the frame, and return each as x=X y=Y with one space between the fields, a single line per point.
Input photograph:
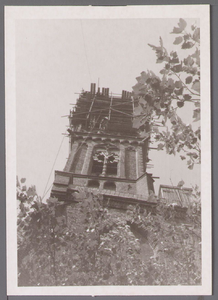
x=158 y=98
x=88 y=243
x=40 y=236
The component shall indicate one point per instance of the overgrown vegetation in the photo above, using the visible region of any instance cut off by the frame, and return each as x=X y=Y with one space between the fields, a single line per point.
x=98 y=245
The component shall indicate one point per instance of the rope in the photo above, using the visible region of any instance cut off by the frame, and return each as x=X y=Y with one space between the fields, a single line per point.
x=53 y=166
x=47 y=191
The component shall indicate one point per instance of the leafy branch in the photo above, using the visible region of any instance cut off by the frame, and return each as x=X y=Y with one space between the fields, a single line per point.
x=155 y=96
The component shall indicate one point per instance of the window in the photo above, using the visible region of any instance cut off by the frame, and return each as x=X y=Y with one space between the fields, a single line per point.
x=98 y=162
x=111 y=164
x=109 y=185
x=93 y=183
x=105 y=162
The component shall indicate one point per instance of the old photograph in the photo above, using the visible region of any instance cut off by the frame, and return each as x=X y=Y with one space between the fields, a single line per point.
x=108 y=150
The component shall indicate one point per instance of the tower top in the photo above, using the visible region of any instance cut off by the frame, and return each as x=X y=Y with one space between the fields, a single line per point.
x=102 y=111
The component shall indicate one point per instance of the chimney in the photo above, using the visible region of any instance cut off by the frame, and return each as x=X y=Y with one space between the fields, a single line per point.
x=93 y=85
x=124 y=94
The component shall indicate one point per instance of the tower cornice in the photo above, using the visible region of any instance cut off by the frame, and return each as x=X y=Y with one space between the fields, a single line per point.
x=104 y=137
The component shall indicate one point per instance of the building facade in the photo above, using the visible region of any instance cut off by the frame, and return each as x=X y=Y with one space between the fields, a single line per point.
x=107 y=154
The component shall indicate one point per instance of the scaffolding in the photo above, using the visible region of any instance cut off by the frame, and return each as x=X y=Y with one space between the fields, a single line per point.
x=103 y=111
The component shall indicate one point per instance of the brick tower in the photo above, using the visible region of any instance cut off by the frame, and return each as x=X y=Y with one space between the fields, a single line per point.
x=107 y=155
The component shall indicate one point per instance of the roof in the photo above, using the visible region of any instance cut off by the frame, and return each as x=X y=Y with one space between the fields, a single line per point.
x=174 y=195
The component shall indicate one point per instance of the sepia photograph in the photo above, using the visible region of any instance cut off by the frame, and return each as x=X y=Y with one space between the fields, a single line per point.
x=108 y=150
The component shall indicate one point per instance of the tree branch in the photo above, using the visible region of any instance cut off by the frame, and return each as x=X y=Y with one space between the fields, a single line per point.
x=196 y=94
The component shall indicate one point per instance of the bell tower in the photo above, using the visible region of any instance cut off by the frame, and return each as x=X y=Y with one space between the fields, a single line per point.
x=107 y=154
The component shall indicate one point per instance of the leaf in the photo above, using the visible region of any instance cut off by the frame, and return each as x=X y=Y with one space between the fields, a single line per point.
x=138 y=121
x=178 y=84
x=177 y=30
x=173 y=54
x=153 y=47
x=24 y=188
x=173 y=120
x=164 y=71
x=177 y=68
x=189 y=61
x=196 y=115
x=196 y=35
x=187 y=45
x=170 y=83
x=174 y=61
x=160 y=147
x=178 y=40
x=160 y=60
x=188 y=79
x=179 y=91
x=186 y=37
x=180 y=183
x=187 y=97
x=23 y=180
x=137 y=89
x=31 y=191
x=161 y=42
x=198 y=133
x=143 y=78
x=194 y=155
x=182 y=157
x=180 y=103
x=196 y=55
x=196 y=86
x=182 y=24
x=18 y=183
x=191 y=166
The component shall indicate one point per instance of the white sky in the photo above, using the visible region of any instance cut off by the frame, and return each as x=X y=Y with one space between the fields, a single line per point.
x=57 y=58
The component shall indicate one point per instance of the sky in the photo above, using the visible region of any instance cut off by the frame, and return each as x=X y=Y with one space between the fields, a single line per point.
x=55 y=60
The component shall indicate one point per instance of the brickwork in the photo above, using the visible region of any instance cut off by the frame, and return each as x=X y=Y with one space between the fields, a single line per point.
x=130 y=163
x=125 y=187
x=79 y=159
x=122 y=161
x=80 y=181
x=87 y=159
x=71 y=157
x=142 y=186
x=140 y=161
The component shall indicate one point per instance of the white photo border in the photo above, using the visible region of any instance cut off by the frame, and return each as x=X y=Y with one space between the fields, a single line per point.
x=13 y=13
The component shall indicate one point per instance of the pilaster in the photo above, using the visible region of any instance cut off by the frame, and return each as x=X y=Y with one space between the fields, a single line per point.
x=121 y=171
x=71 y=156
x=88 y=158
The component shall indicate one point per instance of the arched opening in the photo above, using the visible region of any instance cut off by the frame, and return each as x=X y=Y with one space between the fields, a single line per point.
x=105 y=161
x=110 y=185
x=97 y=164
x=93 y=184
